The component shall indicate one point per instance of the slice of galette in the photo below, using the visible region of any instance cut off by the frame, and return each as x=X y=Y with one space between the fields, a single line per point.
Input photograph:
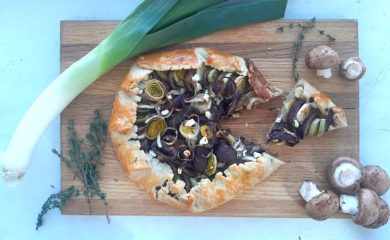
x=305 y=112
x=164 y=127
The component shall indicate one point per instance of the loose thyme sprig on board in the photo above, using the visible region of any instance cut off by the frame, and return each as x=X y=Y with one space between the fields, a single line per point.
x=84 y=161
x=304 y=27
x=56 y=200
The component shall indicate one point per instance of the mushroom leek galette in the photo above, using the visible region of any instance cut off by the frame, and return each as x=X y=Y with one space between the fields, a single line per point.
x=305 y=112
x=164 y=127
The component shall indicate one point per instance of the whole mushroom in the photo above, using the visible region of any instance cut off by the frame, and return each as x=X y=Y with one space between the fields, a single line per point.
x=376 y=179
x=383 y=215
x=364 y=207
x=320 y=205
x=345 y=175
x=322 y=58
x=352 y=68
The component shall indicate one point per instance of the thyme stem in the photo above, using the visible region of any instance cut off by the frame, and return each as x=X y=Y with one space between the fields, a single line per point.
x=84 y=161
x=304 y=27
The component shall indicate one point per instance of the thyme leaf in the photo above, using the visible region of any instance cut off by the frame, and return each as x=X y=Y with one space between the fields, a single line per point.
x=331 y=38
x=303 y=28
x=56 y=200
x=84 y=161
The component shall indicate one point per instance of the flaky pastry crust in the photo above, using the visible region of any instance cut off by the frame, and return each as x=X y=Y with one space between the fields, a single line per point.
x=156 y=177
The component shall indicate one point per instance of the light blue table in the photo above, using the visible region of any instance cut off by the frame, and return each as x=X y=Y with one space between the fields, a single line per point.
x=29 y=61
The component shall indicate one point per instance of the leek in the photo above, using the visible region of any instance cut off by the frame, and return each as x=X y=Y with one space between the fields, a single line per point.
x=153 y=24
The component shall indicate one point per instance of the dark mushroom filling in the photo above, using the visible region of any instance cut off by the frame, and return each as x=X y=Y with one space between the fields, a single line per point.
x=176 y=121
x=301 y=119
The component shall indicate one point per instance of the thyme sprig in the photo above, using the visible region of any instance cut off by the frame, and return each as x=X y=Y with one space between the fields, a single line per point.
x=56 y=200
x=304 y=27
x=84 y=161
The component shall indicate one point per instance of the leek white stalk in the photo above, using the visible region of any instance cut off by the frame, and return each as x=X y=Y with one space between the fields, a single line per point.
x=115 y=48
x=153 y=24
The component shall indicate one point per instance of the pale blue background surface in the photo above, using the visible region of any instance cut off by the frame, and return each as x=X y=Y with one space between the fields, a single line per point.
x=29 y=61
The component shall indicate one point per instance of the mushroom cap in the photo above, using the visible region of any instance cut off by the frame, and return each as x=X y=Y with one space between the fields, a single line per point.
x=368 y=208
x=322 y=57
x=351 y=67
x=383 y=215
x=322 y=206
x=376 y=179
x=345 y=183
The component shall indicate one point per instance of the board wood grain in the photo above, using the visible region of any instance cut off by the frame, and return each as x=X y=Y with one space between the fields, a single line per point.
x=272 y=53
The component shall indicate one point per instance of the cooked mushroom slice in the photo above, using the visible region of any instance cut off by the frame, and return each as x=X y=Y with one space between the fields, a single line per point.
x=218 y=88
x=165 y=153
x=320 y=205
x=352 y=68
x=202 y=154
x=229 y=89
x=278 y=134
x=364 y=207
x=322 y=58
x=383 y=217
x=187 y=182
x=155 y=90
x=170 y=136
x=189 y=84
x=225 y=153
x=189 y=129
x=291 y=123
x=178 y=102
x=376 y=179
x=345 y=175
x=155 y=126
x=167 y=108
x=184 y=154
x=252 y=148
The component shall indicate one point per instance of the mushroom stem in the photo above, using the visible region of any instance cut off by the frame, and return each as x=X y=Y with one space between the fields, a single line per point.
x=309 y=190
x=347 y=174
x=349 y=204
x=326 y=73
x=352 y=68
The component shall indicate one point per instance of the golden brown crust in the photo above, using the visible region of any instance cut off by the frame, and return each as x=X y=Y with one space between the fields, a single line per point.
x=170 y=60
x=324 y=104
x=156 y=177
x=222 y=61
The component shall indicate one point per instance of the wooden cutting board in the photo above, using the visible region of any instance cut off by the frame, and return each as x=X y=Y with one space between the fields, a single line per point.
x=272 y=54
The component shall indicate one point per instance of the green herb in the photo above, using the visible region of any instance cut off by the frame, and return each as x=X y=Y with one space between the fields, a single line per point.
x=153 y=24
x=304 y=27
x=280 y=29
x=330 y=38
x=84 y=161
x=85 y=165
x=56 y=200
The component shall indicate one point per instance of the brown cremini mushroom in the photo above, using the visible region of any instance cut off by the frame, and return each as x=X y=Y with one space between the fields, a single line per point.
x=345 y=175
x=352 y=68
x=376 y=179
x=383 y=215
x=322 y=58
x=364 y=207
x=320 y=205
